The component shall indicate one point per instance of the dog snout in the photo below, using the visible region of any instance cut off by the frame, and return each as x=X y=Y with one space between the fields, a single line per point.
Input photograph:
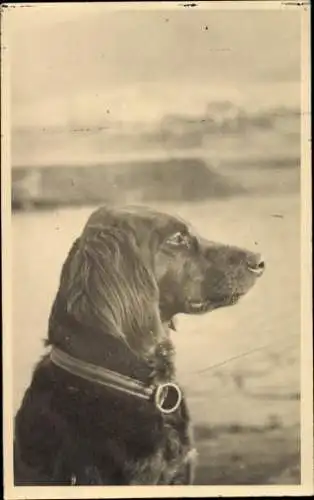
x=255 y=263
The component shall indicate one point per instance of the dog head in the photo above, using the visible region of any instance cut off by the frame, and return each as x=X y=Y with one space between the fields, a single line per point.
x=133 y=269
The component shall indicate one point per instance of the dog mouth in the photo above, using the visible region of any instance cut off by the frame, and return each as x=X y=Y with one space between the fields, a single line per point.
x=199 y=307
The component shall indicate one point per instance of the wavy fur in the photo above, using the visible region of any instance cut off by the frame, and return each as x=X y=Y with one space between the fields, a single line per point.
x=124 y=279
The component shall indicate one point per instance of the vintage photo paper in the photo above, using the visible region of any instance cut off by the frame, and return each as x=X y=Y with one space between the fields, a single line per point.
x=200 y=111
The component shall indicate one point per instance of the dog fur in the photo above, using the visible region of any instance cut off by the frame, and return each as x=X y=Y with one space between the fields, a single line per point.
x=126 y=277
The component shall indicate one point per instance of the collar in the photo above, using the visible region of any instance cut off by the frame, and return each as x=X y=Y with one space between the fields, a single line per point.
x=167 y=396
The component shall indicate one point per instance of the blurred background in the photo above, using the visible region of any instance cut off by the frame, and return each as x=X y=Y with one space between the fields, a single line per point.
x=195 y=112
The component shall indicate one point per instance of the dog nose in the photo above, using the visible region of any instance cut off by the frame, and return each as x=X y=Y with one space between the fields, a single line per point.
x=256 y=264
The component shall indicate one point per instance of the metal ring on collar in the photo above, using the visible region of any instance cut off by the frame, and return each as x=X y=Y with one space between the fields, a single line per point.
x=163 y=392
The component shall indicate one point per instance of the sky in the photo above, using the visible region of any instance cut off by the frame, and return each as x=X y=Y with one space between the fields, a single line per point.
x=85 y=63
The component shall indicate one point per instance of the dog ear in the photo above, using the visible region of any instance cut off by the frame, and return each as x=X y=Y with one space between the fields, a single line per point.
x=106 y=285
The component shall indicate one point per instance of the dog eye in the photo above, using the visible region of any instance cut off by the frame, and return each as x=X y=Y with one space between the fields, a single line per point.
x=179 y=239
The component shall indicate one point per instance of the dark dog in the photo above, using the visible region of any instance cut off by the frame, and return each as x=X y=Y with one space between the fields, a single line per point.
x=103 y=406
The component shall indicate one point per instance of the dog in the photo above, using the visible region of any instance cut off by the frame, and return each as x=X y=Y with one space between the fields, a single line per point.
x=103 y=406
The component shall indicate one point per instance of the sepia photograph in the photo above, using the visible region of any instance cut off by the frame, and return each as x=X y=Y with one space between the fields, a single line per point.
x=156 y=174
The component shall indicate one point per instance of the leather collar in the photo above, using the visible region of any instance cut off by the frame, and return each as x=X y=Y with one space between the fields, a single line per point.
x=166 y=396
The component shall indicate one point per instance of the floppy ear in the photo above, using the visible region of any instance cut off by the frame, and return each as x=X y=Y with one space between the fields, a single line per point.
x=105 y=284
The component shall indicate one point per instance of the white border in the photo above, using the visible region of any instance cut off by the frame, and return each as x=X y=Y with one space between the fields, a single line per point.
x=306 y=487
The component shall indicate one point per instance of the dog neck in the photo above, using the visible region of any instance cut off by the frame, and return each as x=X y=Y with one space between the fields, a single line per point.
x=106 y=351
